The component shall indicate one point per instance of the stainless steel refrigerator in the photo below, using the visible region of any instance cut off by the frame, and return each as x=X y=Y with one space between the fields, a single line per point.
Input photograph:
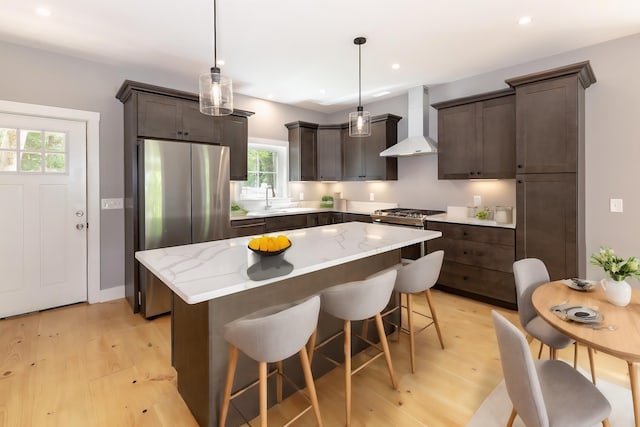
x=183 y=197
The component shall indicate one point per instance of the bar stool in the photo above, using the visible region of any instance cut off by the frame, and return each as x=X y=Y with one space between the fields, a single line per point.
x=358 y=301
x=414 y=277
x=267 y=336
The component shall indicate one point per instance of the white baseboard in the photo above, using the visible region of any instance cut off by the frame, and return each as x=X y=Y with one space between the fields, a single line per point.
x=109 y=294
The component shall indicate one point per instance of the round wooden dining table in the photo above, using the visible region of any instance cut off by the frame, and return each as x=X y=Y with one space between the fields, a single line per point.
x=622 y=340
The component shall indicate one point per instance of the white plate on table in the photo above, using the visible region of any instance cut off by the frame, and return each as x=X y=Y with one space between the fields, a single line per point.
x=583 y=315
x=589 y=284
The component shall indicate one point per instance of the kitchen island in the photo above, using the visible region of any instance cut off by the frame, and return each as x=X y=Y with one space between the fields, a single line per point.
x=216 y=282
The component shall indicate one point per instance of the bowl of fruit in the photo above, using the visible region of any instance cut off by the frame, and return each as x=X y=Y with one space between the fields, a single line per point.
x=269 y=245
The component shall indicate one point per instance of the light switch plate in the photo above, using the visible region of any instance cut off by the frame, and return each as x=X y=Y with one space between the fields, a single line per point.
x=112 y=204
x=615 y=205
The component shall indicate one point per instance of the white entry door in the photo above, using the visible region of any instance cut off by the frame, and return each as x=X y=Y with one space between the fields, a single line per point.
x=43 y=239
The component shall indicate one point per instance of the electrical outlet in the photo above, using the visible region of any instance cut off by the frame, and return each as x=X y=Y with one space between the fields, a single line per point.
x=301 y=196
x=615 y=205
x=372 y=197
x=112 y=204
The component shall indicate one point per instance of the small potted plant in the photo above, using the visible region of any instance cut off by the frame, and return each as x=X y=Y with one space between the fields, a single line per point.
x=326 y=202
x=616 y=288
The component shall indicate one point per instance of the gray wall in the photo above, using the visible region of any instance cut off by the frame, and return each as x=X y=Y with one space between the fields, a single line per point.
x=45 y=78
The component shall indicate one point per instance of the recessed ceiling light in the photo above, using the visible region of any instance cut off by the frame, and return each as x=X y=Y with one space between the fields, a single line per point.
x=524 y=20
x=322 y=91
x=43 y=11
x=385 y=92
x=395 y=66
x=270 y=96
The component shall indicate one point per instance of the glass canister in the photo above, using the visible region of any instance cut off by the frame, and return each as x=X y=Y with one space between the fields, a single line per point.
x=504 y=214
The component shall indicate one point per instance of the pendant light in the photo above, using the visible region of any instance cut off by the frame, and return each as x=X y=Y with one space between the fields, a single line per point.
x=216 y=90
x=359 y=120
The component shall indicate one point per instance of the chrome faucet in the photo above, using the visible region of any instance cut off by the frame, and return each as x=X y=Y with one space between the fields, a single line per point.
x=266 y=195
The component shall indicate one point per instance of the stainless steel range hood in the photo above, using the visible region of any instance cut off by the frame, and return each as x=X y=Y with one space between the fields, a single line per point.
x=418 y=141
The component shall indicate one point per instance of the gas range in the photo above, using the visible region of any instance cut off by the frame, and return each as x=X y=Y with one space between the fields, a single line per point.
x=403 y=216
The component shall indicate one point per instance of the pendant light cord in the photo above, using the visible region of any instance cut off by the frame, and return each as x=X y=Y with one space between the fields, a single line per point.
x=359 y=75
x=215 y=36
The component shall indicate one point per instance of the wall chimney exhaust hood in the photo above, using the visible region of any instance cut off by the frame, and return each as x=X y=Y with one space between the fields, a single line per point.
x=418 y=142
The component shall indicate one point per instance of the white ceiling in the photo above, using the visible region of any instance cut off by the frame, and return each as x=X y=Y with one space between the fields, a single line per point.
x=294 y=49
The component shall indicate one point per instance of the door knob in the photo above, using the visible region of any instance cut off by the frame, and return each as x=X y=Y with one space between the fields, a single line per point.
x=79 y=213
x=80 y=226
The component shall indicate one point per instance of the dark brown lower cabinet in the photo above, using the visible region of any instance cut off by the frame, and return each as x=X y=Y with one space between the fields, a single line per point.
x=478 y=261
x=349 y=217
x=548 y=217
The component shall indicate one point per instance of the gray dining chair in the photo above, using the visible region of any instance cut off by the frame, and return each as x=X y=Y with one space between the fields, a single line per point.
x=270 y=336
x=545 y=393
x=529 y=274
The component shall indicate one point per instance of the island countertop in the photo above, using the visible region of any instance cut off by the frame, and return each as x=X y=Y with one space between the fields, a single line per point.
x=205 y=271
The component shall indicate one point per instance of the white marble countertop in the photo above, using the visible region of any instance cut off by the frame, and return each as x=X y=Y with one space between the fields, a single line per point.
x=204 y=271
x=468 y=221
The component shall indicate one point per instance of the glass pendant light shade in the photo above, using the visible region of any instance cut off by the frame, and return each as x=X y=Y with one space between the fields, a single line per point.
x=359 y=123
x=216 y=93
x=359 y=120
x=216 y=90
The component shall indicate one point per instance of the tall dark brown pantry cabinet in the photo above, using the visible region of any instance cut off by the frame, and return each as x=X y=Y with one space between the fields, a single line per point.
x=550 y=167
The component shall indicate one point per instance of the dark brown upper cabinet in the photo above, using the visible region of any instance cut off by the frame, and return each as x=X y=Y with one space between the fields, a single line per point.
x=302 y=151
x=549 y=111
x=476 y=136
x=329 y=151
x=361 y=156
x=162 y=113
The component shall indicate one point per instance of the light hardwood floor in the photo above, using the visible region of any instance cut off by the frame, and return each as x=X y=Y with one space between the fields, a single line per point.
x=101 y=365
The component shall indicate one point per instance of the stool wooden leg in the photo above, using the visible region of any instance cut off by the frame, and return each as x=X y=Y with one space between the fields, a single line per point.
x=512 y=417
x=308 y=377
x=553 y=353
x=347 y=369
x=231 y=371
x=540 y=351
x=411 y=337
x=311 y=345
x=385 y=348
x=605 y=423
x=279 y=382
x=592 y=364
x=262 y=375
x=434 y=317
x=365 y=328
x=575 y=355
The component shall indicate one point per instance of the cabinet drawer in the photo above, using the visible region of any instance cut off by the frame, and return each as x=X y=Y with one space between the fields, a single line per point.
x=484 y=255
x=477 y=233
x=488 y=283
x=288 y=222
x=247 y=227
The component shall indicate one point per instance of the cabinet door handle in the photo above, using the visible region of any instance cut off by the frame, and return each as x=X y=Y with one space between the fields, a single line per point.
x=519 y=181
x=179 y=132
x=464 y=252
x=519 y=166
x=186 y=133
x=479 y=173
x=465 y=277
x=471 y=173
x=464 y=233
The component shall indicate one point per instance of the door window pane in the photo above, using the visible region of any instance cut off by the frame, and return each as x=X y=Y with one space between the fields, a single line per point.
x=54 y=141
x=30 y=140
x=31 y=162
x=8 y=161
x=55 y=163
x=8 y=138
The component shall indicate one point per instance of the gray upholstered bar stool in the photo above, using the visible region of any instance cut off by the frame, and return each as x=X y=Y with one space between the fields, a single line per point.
x=416 y=277
x=268 y=336
x=354 y=301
